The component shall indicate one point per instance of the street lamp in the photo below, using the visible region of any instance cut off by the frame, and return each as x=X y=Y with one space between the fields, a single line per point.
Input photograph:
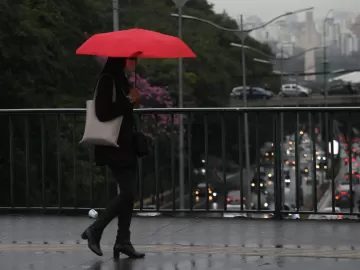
x=325 y=82
x=325 y=56
x=243 y=35
x=180 y=5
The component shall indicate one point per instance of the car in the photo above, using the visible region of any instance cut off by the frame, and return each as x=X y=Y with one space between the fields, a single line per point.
x=287 y=179
x=355 y=178
x=343 y=198
x=291 y=90
x=258 y=181
x=270 y=178
x=305 y=171
x=233 y=200
x=264 y=202
x=252 y=93
x=340 y=87
x=200 y=192
x=346 y=160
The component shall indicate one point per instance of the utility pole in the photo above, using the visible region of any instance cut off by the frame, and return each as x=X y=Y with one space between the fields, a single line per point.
x=116 y=15
x=180 y=6
x=246 y=122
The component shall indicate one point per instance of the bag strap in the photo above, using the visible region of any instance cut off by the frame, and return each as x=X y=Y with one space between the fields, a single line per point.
x=114 y=87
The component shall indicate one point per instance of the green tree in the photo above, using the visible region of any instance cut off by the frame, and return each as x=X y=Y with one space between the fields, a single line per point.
x=40 y=70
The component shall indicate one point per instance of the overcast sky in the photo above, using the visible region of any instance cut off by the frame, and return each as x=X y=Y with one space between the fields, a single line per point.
x=268 y=9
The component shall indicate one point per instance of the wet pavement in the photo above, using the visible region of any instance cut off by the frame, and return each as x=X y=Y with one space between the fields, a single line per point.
x=52 y=242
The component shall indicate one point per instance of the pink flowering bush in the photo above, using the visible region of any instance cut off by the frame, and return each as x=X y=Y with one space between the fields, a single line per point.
x=154 y=97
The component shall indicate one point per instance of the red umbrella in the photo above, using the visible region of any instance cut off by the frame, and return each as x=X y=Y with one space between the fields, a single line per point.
x=135 y=43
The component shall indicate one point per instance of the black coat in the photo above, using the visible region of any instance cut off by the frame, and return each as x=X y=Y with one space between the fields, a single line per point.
x=107 y=110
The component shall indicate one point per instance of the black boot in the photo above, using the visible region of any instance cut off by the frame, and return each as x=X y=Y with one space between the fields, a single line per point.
x=125 y=247
x=93 y=236
x=94 y=232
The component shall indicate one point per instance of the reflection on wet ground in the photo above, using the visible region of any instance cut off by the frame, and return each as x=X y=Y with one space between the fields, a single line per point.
x=53 y=243
x=165 y=261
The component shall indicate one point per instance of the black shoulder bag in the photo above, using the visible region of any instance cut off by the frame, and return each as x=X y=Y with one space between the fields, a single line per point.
x=141 y=143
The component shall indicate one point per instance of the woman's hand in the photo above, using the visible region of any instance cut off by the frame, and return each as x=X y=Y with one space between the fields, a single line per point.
x=134 y=95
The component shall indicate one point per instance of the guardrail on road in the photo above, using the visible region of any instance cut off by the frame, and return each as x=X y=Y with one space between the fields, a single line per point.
x=312 y=100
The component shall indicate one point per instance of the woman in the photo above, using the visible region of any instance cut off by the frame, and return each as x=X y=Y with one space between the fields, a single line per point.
x=121 y=161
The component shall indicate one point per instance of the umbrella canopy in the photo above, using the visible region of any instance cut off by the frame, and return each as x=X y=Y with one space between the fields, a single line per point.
x=135 y=43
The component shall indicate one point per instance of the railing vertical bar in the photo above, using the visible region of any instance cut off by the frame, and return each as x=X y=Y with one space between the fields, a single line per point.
x=189 y=140
x=173 y=163
x=258 y=175
x=332 y=132
x=241 y=164
x=11 y=161
x=58 y=159
x=92 y=178
x=277 y=174
x=206 y=140
x=223 y=154
x=314 y=157
x=156 y=141
x=74 y=159
x=27 y=159
x=297 y=160
x=349 y=132
x=140 y=167
x=43 y=160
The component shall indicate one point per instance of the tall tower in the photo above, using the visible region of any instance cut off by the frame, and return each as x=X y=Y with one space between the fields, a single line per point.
x=312 y=39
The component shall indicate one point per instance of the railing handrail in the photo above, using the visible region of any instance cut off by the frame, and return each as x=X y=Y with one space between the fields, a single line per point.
x=186 y=110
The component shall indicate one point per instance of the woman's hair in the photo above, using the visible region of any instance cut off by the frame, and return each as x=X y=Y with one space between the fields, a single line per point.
x=116 y=68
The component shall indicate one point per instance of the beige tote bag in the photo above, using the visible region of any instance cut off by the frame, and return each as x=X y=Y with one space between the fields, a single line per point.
x=97 y=132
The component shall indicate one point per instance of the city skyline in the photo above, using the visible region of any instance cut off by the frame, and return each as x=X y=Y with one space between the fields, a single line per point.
x=271 y=9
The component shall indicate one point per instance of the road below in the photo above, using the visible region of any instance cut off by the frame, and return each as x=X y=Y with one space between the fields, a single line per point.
x=326 y=201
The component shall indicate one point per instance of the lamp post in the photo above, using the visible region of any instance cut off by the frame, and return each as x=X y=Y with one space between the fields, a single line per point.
x=325 y=61
x=180 y=5
x=116 y=15
x=243 y=34
x=326 y=120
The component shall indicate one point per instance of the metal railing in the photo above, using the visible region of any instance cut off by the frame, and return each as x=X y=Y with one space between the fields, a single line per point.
x=43 y=168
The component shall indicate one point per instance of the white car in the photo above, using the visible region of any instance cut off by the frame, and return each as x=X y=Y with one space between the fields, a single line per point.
x=294 y=90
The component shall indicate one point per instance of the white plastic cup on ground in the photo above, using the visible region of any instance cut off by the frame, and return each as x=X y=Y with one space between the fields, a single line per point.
x=93 y=213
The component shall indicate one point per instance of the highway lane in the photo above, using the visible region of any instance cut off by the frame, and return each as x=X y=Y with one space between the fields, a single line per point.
x=326 y=201
x=290 y=193
x=305 y=157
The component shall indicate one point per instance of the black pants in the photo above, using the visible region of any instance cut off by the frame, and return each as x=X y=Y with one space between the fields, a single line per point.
x=122 y=205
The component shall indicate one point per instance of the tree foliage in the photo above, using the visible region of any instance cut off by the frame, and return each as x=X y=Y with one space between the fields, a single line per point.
x=39 y=69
